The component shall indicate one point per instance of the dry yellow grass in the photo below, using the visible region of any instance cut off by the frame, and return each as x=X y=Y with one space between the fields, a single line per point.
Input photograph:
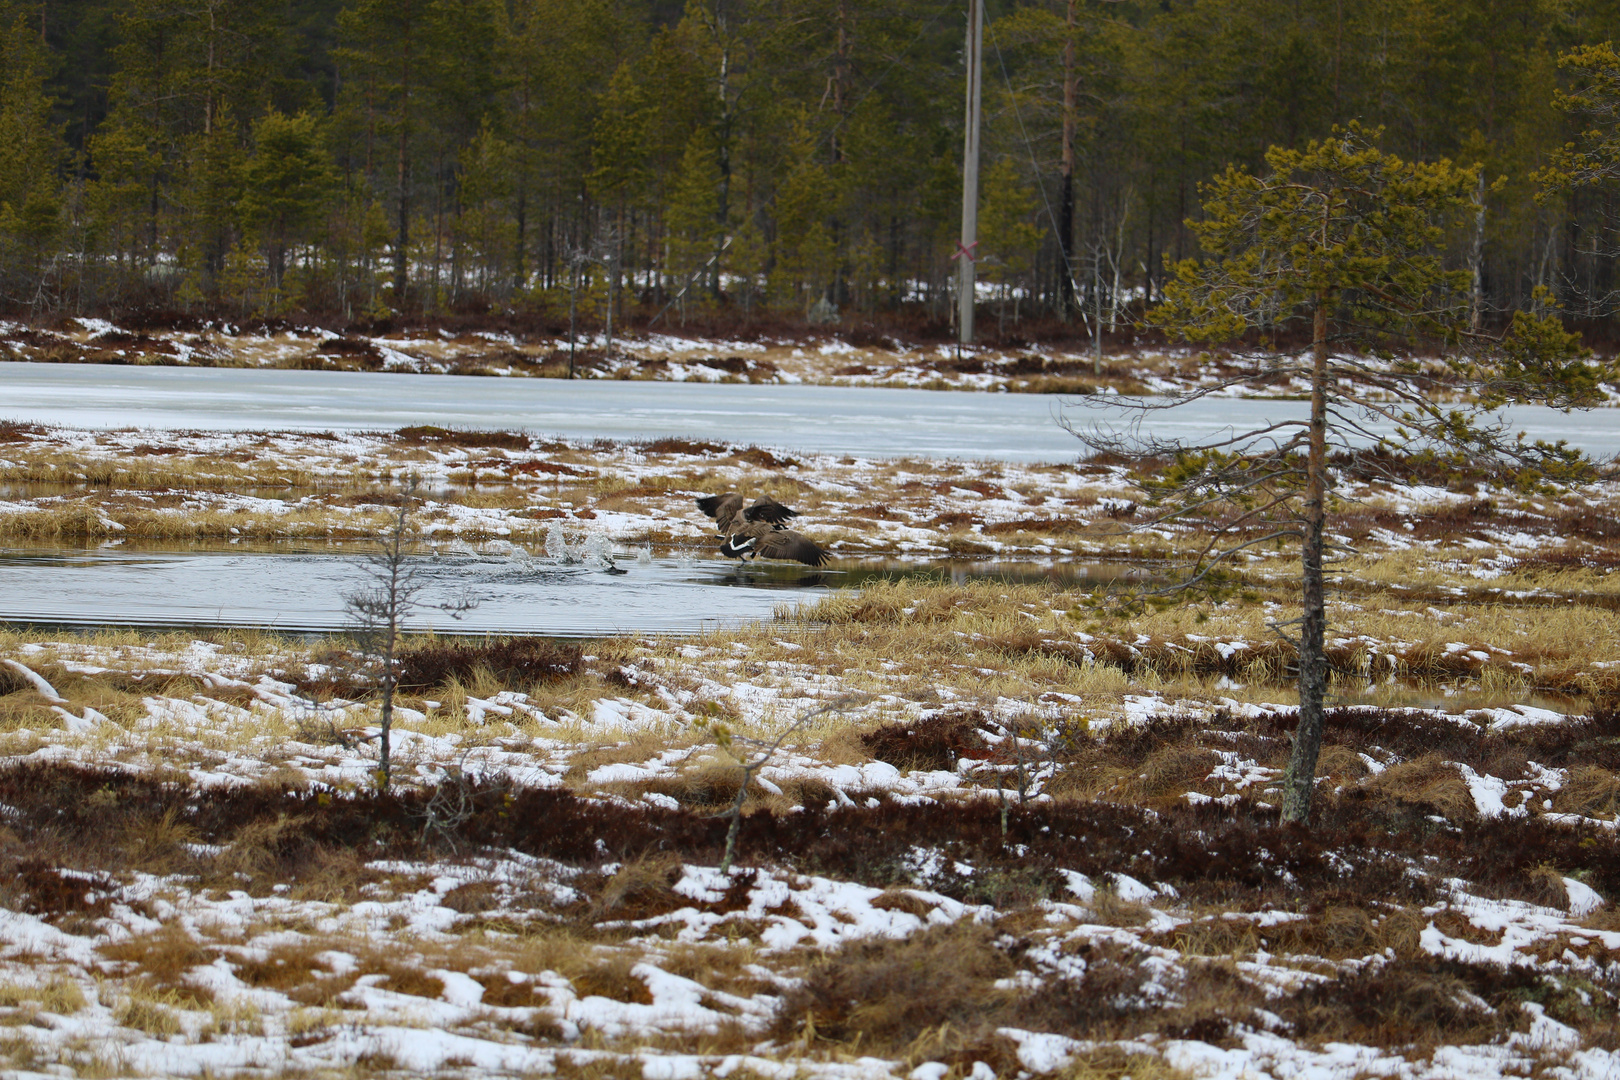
x=1429 y=781
x=58 y=994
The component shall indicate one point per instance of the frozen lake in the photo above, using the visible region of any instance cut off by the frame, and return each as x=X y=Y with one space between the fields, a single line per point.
x=827 y=419
x=304 y=592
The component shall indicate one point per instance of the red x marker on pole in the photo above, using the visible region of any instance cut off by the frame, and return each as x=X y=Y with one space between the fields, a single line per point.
x=965 y=251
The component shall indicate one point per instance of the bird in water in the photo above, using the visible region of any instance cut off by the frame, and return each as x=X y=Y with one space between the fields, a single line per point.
x=759 y=530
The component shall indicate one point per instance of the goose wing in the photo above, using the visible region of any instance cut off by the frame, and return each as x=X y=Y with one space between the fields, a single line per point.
x=768 y=509
x=787 y=544
x=725 y=509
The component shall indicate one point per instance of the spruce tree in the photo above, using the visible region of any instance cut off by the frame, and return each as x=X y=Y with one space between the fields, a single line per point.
x=286 y=185
x=692 y=213
x=1008 y=236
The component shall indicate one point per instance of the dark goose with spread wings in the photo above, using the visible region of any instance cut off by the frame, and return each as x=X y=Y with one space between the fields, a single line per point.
x=759 y=530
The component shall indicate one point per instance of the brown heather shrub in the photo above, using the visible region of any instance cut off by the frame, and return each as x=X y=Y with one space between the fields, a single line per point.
x=285 y=967
x=902 y=900
x=1358 y=850
x=1214 y=998
x=158 y=844
x=1337 y=932
x=1170 y=772
x=58 y=995
x=517 y=662
x=1422 y=1003
x=935 y=742
x=690 y=447
x=403 y=978
x=1341 y=763
x=162 y=958
x=471 y=440
x=1546 y=887
x=1212 y=936
x=37 y=887
x=473 y=897
x=1111 y=909
x=708 y=786
x=153 y=1017
x=501 y=991
x=1113 y=1063
x=12 y=682
x=1099 y=1005
x=257 y=849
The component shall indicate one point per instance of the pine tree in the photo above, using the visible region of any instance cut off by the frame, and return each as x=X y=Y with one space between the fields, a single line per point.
x=488 y=172
x=619 y=145
x=118 y=197
x=209 y=184
x=30 y=169
x=1347 y=240
x=385 y=43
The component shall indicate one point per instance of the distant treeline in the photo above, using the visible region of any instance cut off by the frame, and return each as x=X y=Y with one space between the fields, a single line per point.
x=347 y=160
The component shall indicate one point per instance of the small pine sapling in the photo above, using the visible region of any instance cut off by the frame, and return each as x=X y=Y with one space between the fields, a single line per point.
x=379 y=611
x=1350 y=243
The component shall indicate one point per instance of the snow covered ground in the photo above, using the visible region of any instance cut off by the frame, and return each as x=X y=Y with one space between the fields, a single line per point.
x=542 y=895
x=667 y=355
x=983 y=827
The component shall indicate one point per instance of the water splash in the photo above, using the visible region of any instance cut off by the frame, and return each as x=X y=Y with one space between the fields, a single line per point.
x=557 y=545
x=598 y=549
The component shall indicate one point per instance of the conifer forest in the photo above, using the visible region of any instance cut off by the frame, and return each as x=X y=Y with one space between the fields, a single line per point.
x=348 y=159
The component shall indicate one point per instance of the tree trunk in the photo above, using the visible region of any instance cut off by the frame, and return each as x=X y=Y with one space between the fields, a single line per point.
x=723 y=192
x=394 y=553
x=1066 y=168
x=520 y=274
x=1476 y=258
x=1300 y=779
x=402 y=237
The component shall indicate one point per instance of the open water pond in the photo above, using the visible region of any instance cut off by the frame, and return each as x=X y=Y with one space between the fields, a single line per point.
x=513 y=593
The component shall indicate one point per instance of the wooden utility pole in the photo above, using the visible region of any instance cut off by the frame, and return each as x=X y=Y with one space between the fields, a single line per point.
x=970 y=176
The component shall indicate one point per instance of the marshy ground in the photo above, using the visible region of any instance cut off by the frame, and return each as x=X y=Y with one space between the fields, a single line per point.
x=1031 y=832
x=764 y=353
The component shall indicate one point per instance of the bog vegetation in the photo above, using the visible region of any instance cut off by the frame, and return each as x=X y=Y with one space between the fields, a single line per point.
x=1032 y=814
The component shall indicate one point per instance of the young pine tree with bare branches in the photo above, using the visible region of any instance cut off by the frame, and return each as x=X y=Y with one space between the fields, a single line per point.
x=379 y=611
x=1349 y=242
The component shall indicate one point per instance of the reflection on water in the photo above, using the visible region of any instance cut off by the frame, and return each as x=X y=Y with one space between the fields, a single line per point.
x=301 y=587
x=306 y=592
